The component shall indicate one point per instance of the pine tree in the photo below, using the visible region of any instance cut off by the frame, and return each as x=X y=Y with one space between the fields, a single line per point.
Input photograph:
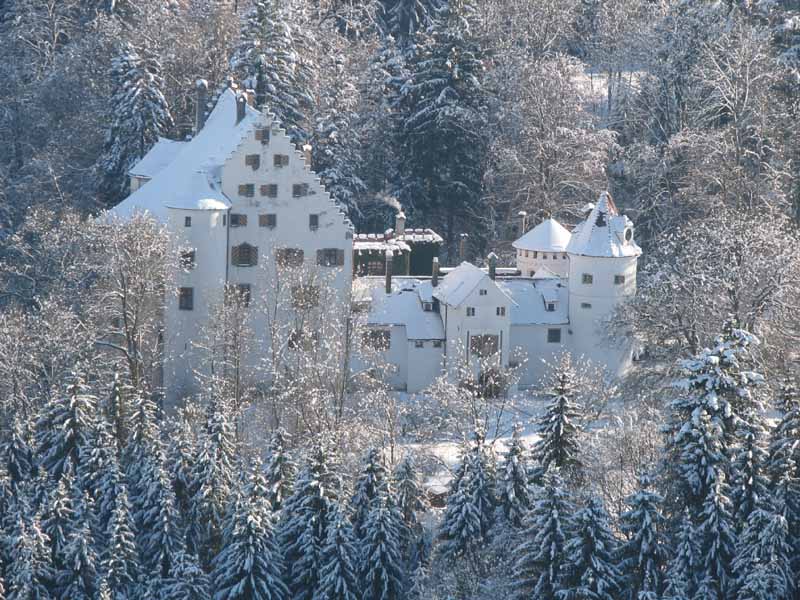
x=186 y=580
x=750 y=483
x=644 y=555
x=591 y=557
x=409 y=496
x=64 y=429
x=30 y=573
x=58 y=518
x=339 y=560
x=76 y=579
x=382 y=573
x=559 y=429
x=762 y=565
x=15 y=452
x=249 y=565
x=97 y=459
x=542 y=561
x=680 y=575
x=370 y=486
x=121 y=561
x=138 y=114
x=513 y=496
x=181 y=459
x=407 y=17
x=280 y=470
x=716 y=539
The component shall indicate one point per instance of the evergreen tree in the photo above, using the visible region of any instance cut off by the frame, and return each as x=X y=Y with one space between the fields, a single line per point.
x=408 y=495
x=542 y=560
x=181 y=459
x=644 y=555
x=76 y=579
x=64 y=429
x=121 y=561
x=590 y=555
x=280 y=470
x=138 y=114
x=513 y=496
x=370 y=486
x=249 y=565
x=763 y=557
x=407 y=17
x=97 y=459
x=110 y=483
x=58 y=518
x=750 y=484
x=680 y=576
x=559 y=428
x=382 y=573
x=15 y=452
x=186 y=580
x=338 y=575
x=30 y=572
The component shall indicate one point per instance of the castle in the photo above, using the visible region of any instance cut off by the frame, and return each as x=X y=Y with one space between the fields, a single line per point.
x=244 y=213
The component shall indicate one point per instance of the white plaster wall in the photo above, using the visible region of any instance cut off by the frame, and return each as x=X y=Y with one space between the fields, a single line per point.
x=529 y=265
x=183 y=329
x=589 y=339
x=529 y=343
x=424 y=364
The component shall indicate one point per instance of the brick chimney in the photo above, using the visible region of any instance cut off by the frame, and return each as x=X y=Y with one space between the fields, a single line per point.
x=389 y=264
x=201 y=93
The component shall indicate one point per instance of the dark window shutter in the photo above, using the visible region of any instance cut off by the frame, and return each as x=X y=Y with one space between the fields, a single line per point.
x=235 y=255
x=254 y=255
x=320 y=257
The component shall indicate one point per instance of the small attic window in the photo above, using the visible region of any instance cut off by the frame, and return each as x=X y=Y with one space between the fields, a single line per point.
x=587 y=279
x=280 y=160
x=253 y=160
x=619 y=279
x=628 y=234
x=470 y=311
x=601 y=219
x=551 y=307
x=187 y=221
x=262 y=135
x=427 y=306
x=482 y=292
x=299 y=190
x=501 y=311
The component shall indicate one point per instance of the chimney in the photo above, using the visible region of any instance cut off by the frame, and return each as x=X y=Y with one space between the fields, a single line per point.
x=241 y=107
x=201 y=93
x=400 y=223
x=462 y=246
x=251 y=97
x=523 y=215
x=492 y=265
x=435 y=272
x=307 y=154
x=389 y=264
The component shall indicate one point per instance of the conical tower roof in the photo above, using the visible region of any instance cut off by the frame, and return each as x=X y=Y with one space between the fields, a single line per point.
x=547 y=236
x=604 y=233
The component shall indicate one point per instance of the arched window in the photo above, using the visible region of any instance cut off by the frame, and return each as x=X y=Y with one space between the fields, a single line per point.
x=244 y=255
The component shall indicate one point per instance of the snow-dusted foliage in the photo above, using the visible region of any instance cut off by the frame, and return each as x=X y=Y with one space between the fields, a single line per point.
x=339 y=562
x=382 y=574
x=513 y=486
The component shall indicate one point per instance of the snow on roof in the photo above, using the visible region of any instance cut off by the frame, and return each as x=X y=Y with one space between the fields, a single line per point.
x=192 y=180
x=425 y=291
x=547 y=236
x=416 y=236
x=371 y=245
x=545 y=273
x=604 y=233
x=404 y=308
x=157 y=158
x=530 y=302
x=459 y=283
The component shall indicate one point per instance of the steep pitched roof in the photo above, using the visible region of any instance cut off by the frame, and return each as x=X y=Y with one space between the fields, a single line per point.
x=547 y=236
x=530 y=302
x=157 y=158
x=193 y=178
x=545 y=273
x=604 y=233
x=405 y=308
x=459 y=283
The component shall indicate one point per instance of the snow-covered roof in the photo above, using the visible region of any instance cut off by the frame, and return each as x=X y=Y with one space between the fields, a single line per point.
x=193 y=178
x=530 y=298
x=363 y=243
x=459 y=283
x=547 y=236
x=157 y=158
x=545 y=273
x=416 y=236
x=404 y=308
x=604 y=233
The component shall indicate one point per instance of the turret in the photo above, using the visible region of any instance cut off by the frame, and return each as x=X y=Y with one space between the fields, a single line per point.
x=544 y=246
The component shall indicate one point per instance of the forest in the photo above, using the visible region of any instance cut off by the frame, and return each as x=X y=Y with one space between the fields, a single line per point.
x=679 y=482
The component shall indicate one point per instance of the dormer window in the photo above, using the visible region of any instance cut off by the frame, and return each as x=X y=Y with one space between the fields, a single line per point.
x=501 y=311
x=550 y=307
x=253 y=161
x=470 y=311
x=427 y=306
x=482 y=292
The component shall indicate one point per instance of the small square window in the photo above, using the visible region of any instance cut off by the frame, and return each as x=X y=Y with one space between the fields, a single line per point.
x=544 y=255
x=427 y=306
x=419 y=344
x=313 y=222
x=299 y=190
x=238 y=294
x=262 y=135
x=280 y=160
x=253 y=160
x=554 y=336
x=470 y=311
x=269 y=190
x=564 y=256
x=587 y=279
x=535 y=254
x=437 y=343
x=269 y=220
x=482 y=292
x=619 y=279
x=247 y=190
x=501 y=311
x=551 y=307
x=238 y=220
x=187 y=221
x=585 y=305
x=186 y=298
x=187 y=260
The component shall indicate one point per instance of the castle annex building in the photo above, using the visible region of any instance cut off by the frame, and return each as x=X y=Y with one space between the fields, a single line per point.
x=243 y=209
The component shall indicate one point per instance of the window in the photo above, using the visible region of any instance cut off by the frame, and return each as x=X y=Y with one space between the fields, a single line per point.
x=587 y=279
x=186 y=298
x=289 y=257
x=619 y=279
x=482 y=292
x=303 y=340
x=427 y=306
x=377 y=339
x=262 y=135
x=268 y=220
x=248 y=190
x=554 y=336
x=305 y=296
x=585 y=305
x=238 y=220
x=470 y=311
x=483 y=345
x=535 y=254
x=237 y=294
x=313 y=222
x=330 y=257
x=270 y=190
x=300 y=189
x=187 y=260
x=437 y=343
x=419 y=344
x=187 y=221
x=544 y=255
x=244 y=255
x=555 y=256
x=564 y=256
x=253 y=160
x=501 y=311
x=550 y=307
x=280 y=160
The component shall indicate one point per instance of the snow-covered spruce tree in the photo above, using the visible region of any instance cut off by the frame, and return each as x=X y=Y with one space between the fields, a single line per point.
x=382 y=572
x=30 y=573
x=750 y=484
x=181 y=455
x=272 y=58
x=120 y=563
x=63 y=430
x=186 y=581
x=644 y=554
x=304 y=523
x=280 y=469
x=763 y=557
x=591 y=557
x=76 y=579
x=441 y=117
x=97 y=458
x=15 y=452
x=249 y=565
x=339 y=562
x=370 y=486
x=406 y=17
x=559 y=427
x=469 y=514
x=57 y=518
x=542 y=562
x=109 y=483
x=513 y=494
x=138 y=114
x=680 y=575
x=408 y=495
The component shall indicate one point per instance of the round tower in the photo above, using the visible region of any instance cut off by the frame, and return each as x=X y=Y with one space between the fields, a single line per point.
x=543 y=247
x=602 y=274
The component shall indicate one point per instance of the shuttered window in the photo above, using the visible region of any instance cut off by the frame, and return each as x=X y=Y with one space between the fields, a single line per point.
x=253 y=161
x=280 y=160
x=262 y=135
x=238 y=220
x=247 y=190
x=330 y=257
x=289 y=257
x=186 y=298
x=268 y=220
x=244 y=255
x=269 y=190
x=299 y=189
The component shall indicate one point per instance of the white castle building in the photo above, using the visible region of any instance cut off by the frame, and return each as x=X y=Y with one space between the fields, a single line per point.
x=242 y=206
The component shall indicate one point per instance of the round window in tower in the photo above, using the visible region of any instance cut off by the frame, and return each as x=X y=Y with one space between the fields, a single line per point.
x=629 y=234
